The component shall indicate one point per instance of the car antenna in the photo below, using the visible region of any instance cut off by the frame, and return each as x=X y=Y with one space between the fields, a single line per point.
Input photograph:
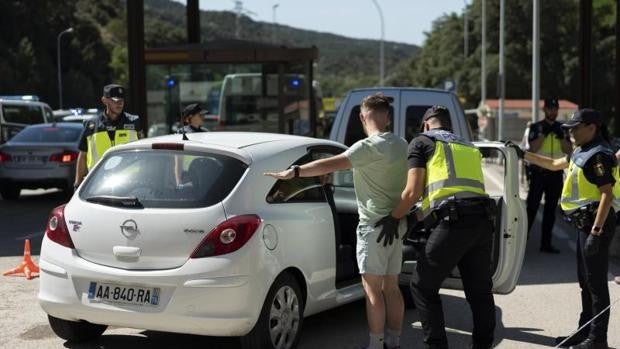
x=184 y=135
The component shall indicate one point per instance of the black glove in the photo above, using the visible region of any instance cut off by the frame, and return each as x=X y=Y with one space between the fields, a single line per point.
x=389 y=230
x=590 y=248
x=559 y=134
x=546 y=128
x=520 y=152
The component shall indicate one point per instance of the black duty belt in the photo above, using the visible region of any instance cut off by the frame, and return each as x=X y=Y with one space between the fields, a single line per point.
x=584 y=216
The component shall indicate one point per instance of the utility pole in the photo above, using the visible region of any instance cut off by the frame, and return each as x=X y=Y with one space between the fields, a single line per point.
x=465 y=32
x=483 y=55
x=66 y=31
x=381 y=55
x=273 y=28
x=536 y=61
x=501 y=77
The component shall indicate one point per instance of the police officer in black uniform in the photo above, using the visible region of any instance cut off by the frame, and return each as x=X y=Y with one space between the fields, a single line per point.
x=458 y=212
x=590 y=199
x=113 y=126
x=193 y=119
x=546 y=138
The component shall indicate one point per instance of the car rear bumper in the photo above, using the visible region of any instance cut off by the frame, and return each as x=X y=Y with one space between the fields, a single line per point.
x=194 y=298
x=59 y=177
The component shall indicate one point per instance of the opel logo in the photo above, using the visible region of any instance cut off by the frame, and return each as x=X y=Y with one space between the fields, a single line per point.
x=129 y=229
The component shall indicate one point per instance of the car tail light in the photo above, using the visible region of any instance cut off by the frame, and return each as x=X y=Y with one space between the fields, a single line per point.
x=228 y=236
x=56 y=229
x=64 y=157
x=4 y=157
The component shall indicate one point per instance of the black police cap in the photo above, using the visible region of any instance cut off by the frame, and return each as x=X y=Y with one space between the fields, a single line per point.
x=114 y=91
x=194 y=108
x=551 y=103
x=583 y=116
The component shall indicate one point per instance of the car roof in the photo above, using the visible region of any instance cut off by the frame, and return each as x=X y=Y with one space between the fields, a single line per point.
x=57 y=124
x=247 y=145
x=376 y=89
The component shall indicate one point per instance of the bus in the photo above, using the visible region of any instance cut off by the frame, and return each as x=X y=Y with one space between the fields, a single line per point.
x=249 y=102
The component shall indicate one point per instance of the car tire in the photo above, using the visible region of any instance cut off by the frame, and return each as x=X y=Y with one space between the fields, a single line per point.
x=75 y=331
x=10 y=193
x=283 y=331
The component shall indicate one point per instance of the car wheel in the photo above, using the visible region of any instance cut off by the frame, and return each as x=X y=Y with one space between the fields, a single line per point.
x=10 y=193
x=279 y=324
x=75 y=331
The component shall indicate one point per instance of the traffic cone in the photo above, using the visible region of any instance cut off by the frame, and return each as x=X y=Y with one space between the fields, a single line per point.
x=27 y=267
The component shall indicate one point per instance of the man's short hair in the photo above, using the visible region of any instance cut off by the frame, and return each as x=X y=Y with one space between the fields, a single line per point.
x=377 y=102
x=439 y=112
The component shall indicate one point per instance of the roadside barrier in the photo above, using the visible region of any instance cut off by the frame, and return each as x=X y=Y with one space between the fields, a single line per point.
x=27 y=267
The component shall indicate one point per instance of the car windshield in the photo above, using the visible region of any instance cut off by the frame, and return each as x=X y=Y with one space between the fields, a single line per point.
x=163 y=179
x=47 y=135
x=23 y=114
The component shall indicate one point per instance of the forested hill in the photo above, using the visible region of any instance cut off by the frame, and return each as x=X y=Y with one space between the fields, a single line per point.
x=344 y=62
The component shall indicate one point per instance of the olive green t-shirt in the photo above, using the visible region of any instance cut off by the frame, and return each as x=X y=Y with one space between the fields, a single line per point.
x=379 y=174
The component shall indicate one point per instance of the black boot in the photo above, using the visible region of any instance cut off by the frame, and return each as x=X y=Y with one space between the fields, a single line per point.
x=591 y=344
x=574 y=340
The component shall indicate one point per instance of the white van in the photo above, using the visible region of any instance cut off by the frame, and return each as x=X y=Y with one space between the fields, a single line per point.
x=500 y=168
x=16 y=112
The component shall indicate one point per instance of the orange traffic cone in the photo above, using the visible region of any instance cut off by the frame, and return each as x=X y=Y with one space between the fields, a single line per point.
x=27 y=267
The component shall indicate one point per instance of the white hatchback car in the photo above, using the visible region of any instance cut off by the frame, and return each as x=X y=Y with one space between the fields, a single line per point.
x=191 y=237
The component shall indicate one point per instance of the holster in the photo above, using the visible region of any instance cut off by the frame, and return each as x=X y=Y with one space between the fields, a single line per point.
x=583 y=217
x=449 y=210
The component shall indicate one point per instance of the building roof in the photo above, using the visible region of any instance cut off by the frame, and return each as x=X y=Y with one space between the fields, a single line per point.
x=526 y=104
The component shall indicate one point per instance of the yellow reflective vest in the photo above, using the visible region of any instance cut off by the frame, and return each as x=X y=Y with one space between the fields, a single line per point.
x=551 y=147
x=454 y=171
x=578 y=191
x=98 y=140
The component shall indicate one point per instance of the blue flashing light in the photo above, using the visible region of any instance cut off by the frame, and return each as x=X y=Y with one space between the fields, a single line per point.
x=171 y=82
x=295 y=82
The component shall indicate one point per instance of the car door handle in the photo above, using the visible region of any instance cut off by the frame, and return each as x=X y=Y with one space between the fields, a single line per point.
x=126 y=251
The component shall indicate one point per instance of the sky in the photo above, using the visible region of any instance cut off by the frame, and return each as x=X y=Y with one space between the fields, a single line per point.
x=405 y=21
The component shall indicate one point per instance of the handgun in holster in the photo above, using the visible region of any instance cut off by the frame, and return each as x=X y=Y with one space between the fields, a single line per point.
x=583 y=217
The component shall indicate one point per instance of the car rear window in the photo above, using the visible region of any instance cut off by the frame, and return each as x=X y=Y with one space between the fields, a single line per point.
x=165 y=179
x=23 y=114
x=48 y=135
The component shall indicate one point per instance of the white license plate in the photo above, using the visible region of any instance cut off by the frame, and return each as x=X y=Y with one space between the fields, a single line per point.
x=123 y=294
x=30 y=158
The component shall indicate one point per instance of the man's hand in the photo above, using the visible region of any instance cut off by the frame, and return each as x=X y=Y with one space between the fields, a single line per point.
x=286 y=174
x=591 y=246
x=389 y=231
x=520 y=152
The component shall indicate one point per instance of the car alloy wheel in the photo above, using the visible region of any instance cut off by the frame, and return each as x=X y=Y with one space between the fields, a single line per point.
x=284 y=318
x=280 y=322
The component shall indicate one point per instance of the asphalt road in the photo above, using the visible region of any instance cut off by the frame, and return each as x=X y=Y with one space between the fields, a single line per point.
x=544 y=305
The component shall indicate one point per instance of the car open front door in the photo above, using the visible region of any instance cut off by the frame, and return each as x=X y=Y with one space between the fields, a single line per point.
x=501 y=169
x=501 y=166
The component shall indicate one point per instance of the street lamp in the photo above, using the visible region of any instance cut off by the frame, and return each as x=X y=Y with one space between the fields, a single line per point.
x=381 y=65
x=273 y=29
x=68 y=30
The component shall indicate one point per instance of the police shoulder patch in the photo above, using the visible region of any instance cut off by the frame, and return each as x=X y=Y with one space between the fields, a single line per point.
x=599 y=168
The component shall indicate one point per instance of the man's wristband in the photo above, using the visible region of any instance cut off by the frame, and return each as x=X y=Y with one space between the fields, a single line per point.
x=295 y=169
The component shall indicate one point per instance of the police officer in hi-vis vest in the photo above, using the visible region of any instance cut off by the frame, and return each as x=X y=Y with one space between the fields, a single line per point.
x=546 y=138
x=111 y=127
x=590 y=198
x=445 y=172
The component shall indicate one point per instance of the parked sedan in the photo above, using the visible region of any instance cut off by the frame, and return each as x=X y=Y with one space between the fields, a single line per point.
x=39 y=156
x=191 y=237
